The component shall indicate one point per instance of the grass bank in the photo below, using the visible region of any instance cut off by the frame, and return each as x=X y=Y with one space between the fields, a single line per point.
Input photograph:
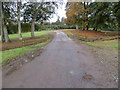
x=90 y=38
x=8 y=55
x=40 y=36
x=28 y=34
x=104 y=43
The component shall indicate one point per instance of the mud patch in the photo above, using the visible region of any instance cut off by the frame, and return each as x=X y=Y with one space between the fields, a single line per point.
x=91 y=36
x=87 y=77
x=18 y=62
x=11 y=70
x=15 y=43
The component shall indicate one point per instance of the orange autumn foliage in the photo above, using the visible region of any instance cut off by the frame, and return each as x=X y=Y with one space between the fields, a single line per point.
x=75 y=14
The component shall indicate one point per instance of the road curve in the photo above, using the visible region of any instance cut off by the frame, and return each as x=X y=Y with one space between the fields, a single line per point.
x=63 y=64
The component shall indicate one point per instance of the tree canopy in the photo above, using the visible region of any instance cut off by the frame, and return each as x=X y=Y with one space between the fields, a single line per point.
x=96 y=15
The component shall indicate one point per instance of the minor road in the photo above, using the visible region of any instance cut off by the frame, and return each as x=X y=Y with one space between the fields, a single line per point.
x=63 y=64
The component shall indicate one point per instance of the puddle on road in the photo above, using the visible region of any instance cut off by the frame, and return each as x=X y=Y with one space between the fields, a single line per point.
x=83 y=76
x=71 y=72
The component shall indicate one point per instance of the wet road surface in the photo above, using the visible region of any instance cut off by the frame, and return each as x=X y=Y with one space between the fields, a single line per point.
x=63 y=64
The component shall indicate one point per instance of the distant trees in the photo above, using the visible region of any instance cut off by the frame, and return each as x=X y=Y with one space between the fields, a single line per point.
x=58 y=22
x=96 y=15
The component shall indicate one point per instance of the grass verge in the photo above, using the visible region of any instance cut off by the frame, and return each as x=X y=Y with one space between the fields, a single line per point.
x=8 y=55
x=102 y=45
x=28 y=34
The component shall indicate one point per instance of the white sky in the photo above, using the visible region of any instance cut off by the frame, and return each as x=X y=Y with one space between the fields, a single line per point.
x=60 y=12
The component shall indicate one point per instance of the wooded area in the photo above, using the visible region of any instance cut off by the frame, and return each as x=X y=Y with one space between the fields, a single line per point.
x=96 y=15
x=83 y=15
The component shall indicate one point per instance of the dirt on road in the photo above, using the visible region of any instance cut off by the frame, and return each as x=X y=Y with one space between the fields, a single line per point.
x=63 y=64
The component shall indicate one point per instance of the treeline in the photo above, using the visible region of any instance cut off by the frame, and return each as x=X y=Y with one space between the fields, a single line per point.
x=17 y=17
x=54 y=27
x=95 y=15
x=13 y=28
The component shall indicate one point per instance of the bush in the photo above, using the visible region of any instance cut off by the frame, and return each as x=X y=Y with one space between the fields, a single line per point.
x=26 y=27
x=12 y=28
x=47 y=27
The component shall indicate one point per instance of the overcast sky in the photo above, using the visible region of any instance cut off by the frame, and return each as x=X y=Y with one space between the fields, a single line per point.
x=59 y=12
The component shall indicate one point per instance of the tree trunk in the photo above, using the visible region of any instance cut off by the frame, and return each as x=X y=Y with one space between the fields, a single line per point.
x=4 y=32
x=83 y=28
x=33 y=20
x=77 y=27
x=87 y=26
x=32 y=28
x=19 y=23
x=95 y=29
x=84 y=15
x=1 y=28
x=85 y=19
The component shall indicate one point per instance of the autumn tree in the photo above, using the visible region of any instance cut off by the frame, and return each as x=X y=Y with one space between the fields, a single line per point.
x=76 y=14
x=96 y=15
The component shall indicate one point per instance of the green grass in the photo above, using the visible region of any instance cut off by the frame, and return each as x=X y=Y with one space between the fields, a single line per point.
x=41 y=44
x=101 y=45
x=28 y=34
x=8 y=55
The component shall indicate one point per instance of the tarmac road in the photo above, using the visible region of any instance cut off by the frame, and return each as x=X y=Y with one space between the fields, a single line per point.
x=63 y=64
